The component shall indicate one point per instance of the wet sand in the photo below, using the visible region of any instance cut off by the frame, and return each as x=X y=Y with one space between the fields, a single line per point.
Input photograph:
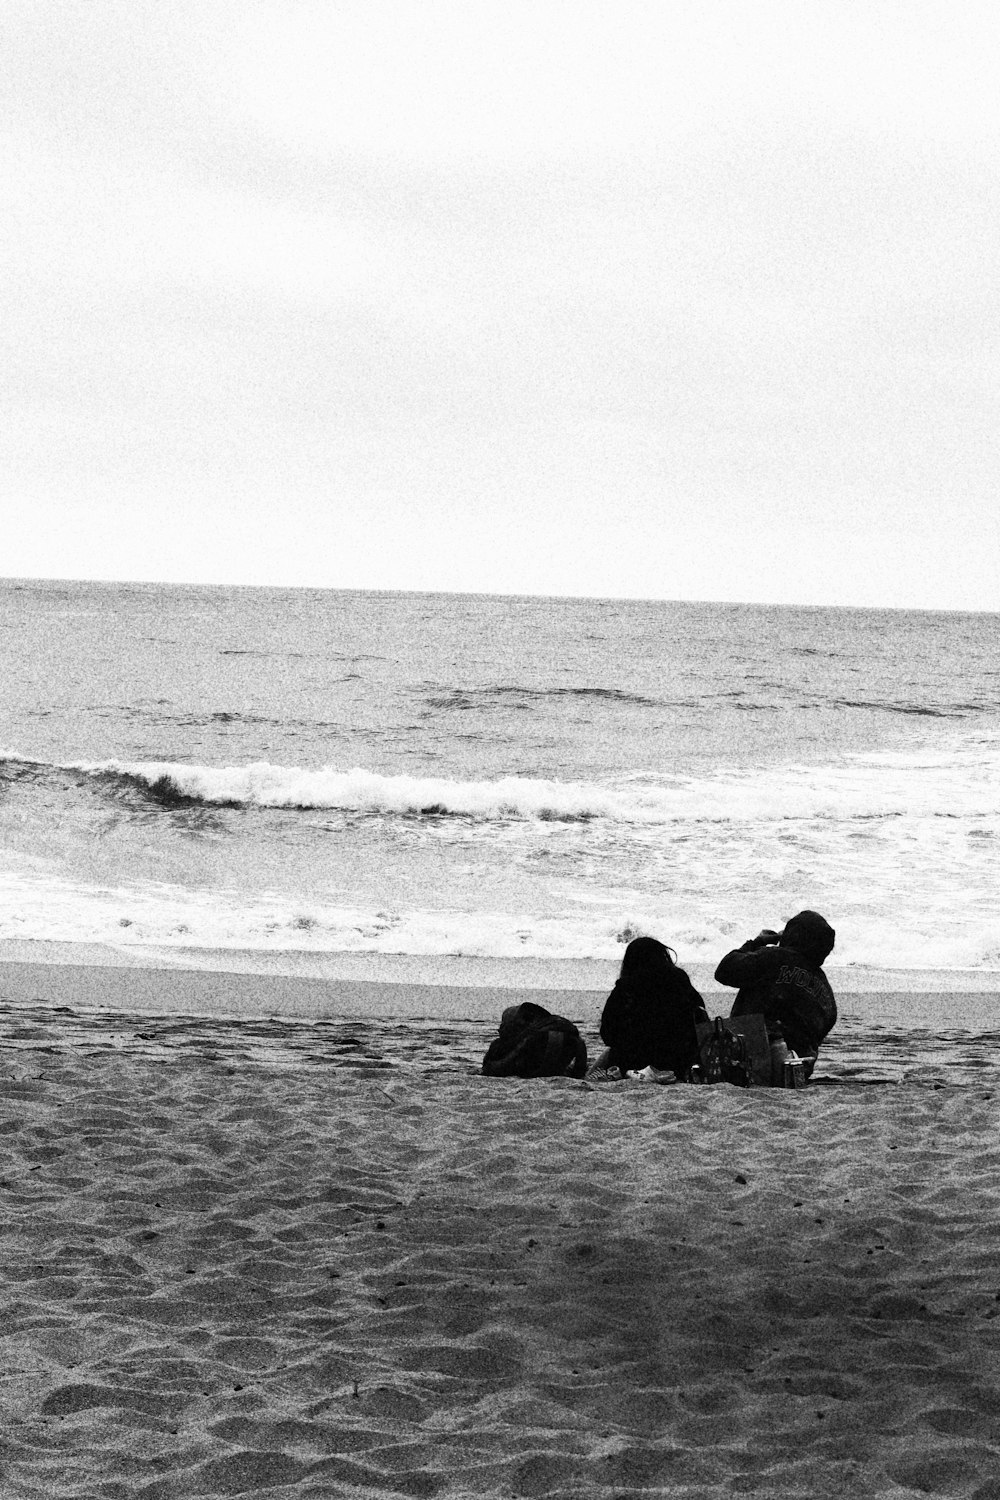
x=323 y=1258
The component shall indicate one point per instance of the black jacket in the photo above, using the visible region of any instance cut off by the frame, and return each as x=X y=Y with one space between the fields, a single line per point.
x=654 y=1030
x=788 y=989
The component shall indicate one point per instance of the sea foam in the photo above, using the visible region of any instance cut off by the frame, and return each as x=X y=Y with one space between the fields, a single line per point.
x=36 y=908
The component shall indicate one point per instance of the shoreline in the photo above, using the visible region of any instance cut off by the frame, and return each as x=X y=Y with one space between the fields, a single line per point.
x=305 y=986
x=456 y=969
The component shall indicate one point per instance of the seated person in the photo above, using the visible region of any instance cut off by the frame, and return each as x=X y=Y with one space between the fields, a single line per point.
x=780 y=976
x=650 y=1016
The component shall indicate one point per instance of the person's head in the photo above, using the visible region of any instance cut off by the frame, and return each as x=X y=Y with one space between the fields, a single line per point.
x=809 y=934
x=646 y=959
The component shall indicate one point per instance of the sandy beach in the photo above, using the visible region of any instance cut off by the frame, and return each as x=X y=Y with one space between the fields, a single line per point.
x=290 y=1259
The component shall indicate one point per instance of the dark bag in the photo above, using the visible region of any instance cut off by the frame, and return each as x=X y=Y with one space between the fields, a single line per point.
x=733 y=1050
x=533 y=1043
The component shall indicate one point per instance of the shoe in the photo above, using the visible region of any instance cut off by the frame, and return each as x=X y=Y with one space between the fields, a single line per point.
x=652 y=1075
x=603 y=1075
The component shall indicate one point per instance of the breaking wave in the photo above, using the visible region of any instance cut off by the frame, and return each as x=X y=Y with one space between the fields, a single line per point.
x=963 y=783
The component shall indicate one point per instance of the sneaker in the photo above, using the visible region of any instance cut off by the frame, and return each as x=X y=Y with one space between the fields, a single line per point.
x=603 y=1075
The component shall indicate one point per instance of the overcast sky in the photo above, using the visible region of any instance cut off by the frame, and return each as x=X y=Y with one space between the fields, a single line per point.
x=693 y=300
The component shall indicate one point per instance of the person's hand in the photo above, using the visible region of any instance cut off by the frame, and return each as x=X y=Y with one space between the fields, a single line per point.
x=767 y=935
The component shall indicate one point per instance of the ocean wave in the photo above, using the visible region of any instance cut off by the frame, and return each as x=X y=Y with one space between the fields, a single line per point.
x=296 y=788
x=507 y=694
x=360 y=791
x=962 y=784
x=920 y=710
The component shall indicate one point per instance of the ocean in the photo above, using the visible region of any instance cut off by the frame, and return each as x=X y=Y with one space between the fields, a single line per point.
x=194 y=770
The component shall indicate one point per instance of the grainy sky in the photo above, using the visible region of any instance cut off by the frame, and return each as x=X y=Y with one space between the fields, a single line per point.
x=691 y=300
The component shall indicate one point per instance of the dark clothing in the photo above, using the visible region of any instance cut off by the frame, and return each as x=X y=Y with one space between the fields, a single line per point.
x=786 y=987
x=653 y=1027
x=809 y=933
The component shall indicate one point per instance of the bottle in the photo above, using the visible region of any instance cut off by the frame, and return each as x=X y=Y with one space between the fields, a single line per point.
x=793 y=1072
x=779 y=1057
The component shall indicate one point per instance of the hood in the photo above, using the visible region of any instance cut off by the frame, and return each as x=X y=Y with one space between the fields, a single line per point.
x=809 y=934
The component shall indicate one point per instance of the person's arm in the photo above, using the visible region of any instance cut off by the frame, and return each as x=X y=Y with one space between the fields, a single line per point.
x=742 y=966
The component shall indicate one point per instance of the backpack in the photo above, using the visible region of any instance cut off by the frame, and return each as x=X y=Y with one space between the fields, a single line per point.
x=533 y=1043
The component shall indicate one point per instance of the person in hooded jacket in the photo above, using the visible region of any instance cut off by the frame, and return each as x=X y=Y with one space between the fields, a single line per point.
x=650 y=1016
x=780 y=976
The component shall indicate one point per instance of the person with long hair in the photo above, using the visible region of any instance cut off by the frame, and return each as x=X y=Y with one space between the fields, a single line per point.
x=649 y=1018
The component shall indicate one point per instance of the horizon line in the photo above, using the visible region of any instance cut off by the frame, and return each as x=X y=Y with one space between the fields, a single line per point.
x=569 y=598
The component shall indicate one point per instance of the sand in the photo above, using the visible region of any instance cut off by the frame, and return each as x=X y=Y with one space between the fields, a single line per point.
x=327 y=1260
